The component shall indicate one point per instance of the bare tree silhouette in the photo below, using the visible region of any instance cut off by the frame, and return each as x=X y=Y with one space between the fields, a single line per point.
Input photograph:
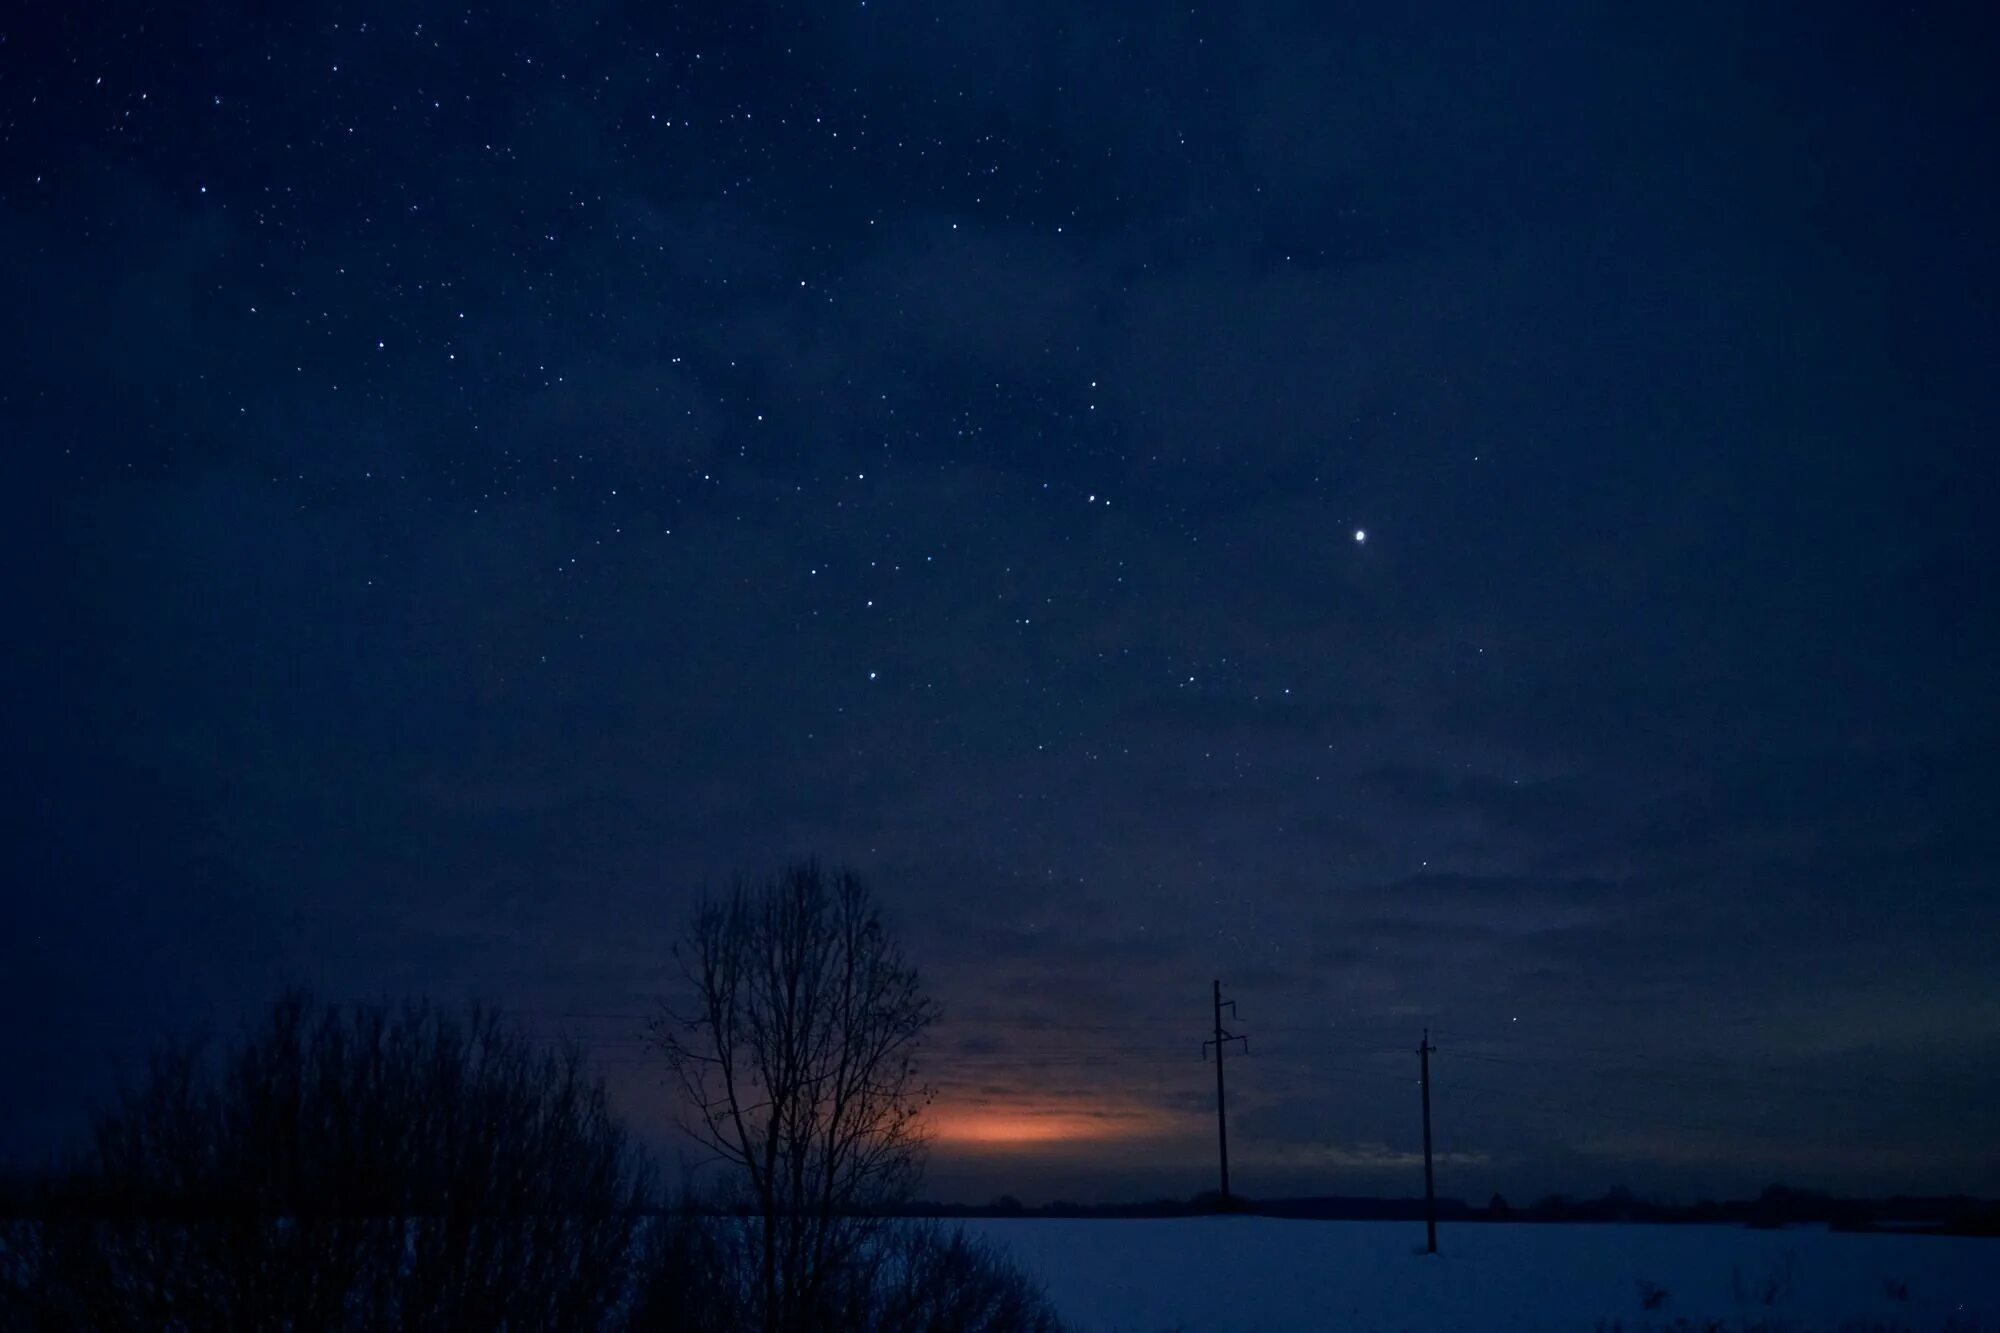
x=797 y=1062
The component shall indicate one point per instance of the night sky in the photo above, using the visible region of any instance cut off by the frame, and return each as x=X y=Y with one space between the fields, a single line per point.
x=1431 y=518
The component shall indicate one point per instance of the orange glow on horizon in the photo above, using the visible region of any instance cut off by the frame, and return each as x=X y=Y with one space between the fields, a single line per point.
x=1001 y=1127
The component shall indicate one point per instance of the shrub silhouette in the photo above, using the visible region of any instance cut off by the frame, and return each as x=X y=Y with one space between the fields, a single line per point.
x=702 y=1275
x=346 y=1168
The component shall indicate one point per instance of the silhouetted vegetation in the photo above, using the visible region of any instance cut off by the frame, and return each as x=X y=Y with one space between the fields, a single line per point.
x=1776 y=1207
x=796 y=1061
x=343 y=1168
x=361 y=1168
x=703 y=1275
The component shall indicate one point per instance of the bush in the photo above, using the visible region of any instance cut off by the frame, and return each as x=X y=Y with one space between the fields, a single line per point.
x=345 y=1169
x=701 y=1276
x=695 y=1273
x=938 y=1281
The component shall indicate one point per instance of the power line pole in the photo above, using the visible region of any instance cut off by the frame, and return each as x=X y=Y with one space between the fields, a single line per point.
x=1424 y=1049
x=1220 y=1041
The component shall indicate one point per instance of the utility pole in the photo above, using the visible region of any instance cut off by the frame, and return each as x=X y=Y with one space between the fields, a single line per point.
x=1220 y=1042
x=1424 y=1049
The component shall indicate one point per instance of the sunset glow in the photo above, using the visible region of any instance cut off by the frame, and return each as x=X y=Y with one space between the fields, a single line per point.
x=1003 y=1127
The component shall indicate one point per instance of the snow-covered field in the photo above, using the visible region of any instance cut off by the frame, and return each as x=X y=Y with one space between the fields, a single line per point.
x=1235 y=1275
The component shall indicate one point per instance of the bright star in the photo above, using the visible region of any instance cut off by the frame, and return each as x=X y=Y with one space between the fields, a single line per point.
x=1360 y=535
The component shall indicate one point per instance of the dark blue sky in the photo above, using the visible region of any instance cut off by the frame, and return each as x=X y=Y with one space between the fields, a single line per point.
x=474 y=478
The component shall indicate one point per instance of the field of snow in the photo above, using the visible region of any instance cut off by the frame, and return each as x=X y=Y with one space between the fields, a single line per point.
x=1263 y=1275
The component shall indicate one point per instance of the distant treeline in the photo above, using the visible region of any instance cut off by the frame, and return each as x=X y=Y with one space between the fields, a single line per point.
x=1777 y=1206
x=26 y=1193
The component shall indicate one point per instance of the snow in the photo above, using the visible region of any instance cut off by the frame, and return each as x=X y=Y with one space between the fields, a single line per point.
x=1245 y=1274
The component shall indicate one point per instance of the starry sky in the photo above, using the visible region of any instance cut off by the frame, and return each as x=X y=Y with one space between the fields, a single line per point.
x=1432 y=517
